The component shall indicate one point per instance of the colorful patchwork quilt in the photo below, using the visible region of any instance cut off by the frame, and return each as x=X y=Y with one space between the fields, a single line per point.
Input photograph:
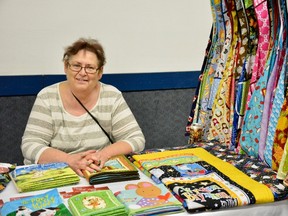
x=208 y=176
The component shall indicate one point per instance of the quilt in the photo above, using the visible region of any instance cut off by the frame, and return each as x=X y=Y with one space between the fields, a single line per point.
x=209 y=177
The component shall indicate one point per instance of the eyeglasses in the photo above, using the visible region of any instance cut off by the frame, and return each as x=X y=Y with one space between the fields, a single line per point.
x=77 y=68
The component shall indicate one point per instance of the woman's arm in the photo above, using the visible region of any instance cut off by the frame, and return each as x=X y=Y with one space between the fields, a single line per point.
x=39 y=130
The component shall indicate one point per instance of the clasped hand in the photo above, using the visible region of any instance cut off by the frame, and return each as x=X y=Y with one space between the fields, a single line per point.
x=91 y=160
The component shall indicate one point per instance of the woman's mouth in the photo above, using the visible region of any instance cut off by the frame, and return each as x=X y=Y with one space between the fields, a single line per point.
x=81 y=80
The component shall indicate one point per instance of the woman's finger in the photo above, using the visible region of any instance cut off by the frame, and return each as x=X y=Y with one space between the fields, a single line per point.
x=84 y=154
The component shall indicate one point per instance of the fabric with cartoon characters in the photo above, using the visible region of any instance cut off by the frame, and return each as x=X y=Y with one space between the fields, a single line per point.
x=211 y=176
x=242 y=91
x=146 y=198
x=5 y=169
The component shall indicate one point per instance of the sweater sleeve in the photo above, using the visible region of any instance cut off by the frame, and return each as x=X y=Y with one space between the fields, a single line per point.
x=38 y=131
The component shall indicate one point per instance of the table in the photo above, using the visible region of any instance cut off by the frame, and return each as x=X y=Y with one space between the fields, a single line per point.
x=277 y=208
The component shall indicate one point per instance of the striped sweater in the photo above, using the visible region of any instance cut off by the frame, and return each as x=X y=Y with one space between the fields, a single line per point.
x=49 y=125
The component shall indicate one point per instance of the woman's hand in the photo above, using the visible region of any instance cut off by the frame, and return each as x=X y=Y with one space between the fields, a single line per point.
x=81 y=161
x=98 y=159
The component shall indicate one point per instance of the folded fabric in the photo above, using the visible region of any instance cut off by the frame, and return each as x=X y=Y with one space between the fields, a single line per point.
x=146 y=198
x=5 y=169
x=203 y=181
x=101 y=202
x=48 y=203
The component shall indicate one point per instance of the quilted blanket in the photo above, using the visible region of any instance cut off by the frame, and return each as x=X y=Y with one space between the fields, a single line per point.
x=206 y=180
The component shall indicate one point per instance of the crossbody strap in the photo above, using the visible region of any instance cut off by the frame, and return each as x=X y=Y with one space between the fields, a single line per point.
x=93 y=117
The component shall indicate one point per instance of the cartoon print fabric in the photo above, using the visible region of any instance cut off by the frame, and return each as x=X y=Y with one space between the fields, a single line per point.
x=241 y=91
x=212 y=178
x=147 y=198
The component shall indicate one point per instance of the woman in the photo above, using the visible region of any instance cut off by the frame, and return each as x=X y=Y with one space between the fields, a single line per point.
x=59 y=129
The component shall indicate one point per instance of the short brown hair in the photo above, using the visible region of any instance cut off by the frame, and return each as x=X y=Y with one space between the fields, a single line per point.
x=88 y=44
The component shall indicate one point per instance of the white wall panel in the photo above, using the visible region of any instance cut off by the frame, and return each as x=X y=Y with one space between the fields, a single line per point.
x=138 y=35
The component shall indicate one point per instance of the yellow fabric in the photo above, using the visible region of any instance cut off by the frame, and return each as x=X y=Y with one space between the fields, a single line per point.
x=261 y=192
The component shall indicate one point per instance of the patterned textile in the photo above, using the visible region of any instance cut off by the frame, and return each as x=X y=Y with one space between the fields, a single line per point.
x=250 y=134
x=283 y=167
x=262 y=14
x=258 y=110
x=211 y=177
x=281 y=135
x=270 y=95
x=5 y=169
x=275 y=113
x=243 y=100
x=222 y=108
x=227 y=28
x=242 y=85
x=203 y=110
x=279 y=142
x=253 y=167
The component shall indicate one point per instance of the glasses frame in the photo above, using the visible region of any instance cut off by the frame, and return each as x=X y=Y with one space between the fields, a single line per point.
x=81 y=67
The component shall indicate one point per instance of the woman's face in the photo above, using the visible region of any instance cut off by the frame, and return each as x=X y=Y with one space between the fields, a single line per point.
x=83 y=81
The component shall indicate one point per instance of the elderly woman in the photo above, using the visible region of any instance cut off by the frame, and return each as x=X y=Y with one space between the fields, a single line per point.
x=81 y=121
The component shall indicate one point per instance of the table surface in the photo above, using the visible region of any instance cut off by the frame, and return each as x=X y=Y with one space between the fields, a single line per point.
x=276 y=208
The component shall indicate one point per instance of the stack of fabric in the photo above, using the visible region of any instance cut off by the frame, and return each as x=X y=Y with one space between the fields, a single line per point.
x=211 y=177
x=101 y=202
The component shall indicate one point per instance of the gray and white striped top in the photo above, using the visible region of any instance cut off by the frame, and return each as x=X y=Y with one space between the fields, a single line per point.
x=50 y=125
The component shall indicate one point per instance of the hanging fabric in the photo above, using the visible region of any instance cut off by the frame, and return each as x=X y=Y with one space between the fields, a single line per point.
x=220 y=127
x=223 y=55
x=283 y=167
x=242 y=98
x=262 y=14
x=281 y=134
x=250 y=134
x=274 y=90
x=249 y=36
x=205 y=67
x=275 y=140
x=218 y=40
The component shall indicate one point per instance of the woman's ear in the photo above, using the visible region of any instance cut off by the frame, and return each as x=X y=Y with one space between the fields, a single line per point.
x=65 y=67
x=100 y=73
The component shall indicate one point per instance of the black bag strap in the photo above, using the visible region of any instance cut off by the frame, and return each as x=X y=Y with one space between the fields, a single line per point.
x=93 y=117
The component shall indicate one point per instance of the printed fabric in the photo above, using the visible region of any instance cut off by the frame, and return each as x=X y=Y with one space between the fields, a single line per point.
x=262 y=14
x=242 y=84
x=220 y=126
x=203 y=181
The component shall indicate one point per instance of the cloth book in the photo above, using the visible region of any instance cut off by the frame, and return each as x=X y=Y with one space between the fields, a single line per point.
x=48 y=203
x=43 y=176
x=5 y=169
x=145 y=198
x=100 y=203
x=118 y=168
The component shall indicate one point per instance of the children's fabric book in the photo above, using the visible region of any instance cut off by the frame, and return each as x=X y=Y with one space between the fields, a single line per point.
x=48 y=203
x=5 y=169
x=100 y=203
x=81 y=189
x=146 y=198
x=118 y=168
x=43 y=176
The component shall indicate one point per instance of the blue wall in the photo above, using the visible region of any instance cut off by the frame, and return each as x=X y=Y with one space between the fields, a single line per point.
x=32 y=84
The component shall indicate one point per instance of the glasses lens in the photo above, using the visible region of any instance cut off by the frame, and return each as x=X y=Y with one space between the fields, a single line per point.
x=90 y=69
x=75 y=67
x=78 y=68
